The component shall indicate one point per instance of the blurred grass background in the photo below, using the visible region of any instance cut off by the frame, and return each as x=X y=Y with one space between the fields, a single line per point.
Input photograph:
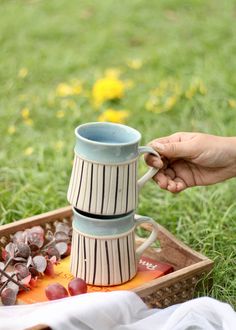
x=45 y=43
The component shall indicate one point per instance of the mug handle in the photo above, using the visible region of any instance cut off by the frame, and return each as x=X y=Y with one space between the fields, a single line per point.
x=152 y=170
x=151 y=239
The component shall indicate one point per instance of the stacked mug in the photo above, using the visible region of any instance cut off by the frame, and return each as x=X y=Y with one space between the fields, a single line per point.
x=103 y=191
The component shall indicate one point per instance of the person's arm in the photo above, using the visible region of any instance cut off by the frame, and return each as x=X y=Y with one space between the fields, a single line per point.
x=193 y=159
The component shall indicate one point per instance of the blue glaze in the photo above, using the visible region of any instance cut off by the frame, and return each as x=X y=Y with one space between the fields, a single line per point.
x=99 y=227
x=107 y=143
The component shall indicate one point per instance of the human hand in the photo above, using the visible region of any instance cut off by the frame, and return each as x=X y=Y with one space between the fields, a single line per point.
x=193 y=159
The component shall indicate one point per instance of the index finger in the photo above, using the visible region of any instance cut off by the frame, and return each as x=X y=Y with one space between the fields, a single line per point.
x=153 y=161
x=176 y=137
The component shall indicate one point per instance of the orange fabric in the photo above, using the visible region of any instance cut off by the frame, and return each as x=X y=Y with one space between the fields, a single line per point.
x=148 y=269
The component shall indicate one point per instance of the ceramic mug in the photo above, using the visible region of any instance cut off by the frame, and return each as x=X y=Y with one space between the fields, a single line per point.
x=104 y=175
x=103 y=252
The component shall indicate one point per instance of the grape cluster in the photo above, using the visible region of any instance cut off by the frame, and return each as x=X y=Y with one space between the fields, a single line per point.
x=29 y=255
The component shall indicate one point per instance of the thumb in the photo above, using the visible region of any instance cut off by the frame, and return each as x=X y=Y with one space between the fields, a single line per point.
x=174 y=149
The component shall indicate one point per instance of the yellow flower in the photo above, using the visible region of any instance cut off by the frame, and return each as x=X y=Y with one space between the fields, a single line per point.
x=76 y=87
x=232 y=103
x=11 y=129
x=114 y=116
x=107 y=88
x=25 y=113
x=64 y=89
x=190 y=92
x=112 y=73
x=196 y=86
x=23 y=72
x=135 y=64
x=149 y=105
x=170 y=102
x=28 y=151
x=153 y=106
x=60 y=114
x=59 y=145
x=152 y=103
x=28 y=122
x=164 y=97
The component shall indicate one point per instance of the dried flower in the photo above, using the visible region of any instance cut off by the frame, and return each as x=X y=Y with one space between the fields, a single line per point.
x=31 y=254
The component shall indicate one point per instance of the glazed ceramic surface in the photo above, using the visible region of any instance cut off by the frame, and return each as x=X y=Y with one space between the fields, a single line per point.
x=103 y=252
x=104 y=177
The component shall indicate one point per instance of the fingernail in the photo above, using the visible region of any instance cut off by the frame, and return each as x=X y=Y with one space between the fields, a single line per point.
x=159 y=146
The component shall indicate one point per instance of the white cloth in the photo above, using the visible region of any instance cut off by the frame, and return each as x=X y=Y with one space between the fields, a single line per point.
x=118 y=310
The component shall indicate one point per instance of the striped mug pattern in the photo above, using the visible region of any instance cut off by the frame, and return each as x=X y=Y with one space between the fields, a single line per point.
x=107 y=260
x=105 y=189
x=103 y=261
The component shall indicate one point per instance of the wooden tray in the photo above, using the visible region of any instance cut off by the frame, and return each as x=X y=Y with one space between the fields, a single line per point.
x=190 y=267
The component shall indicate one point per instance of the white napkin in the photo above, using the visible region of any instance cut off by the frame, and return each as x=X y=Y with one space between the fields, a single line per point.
x=118 y=310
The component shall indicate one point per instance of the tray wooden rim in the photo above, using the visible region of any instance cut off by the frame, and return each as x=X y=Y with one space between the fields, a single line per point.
x=204 y=263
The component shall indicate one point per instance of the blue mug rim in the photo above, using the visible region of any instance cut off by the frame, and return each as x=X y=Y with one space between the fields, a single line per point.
x=138 y=138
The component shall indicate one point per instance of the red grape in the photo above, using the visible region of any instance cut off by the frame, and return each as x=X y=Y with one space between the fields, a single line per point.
x=77 y=286
x=55 y=291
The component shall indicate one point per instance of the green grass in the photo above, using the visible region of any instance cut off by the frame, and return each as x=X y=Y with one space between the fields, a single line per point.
x=59 y=40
